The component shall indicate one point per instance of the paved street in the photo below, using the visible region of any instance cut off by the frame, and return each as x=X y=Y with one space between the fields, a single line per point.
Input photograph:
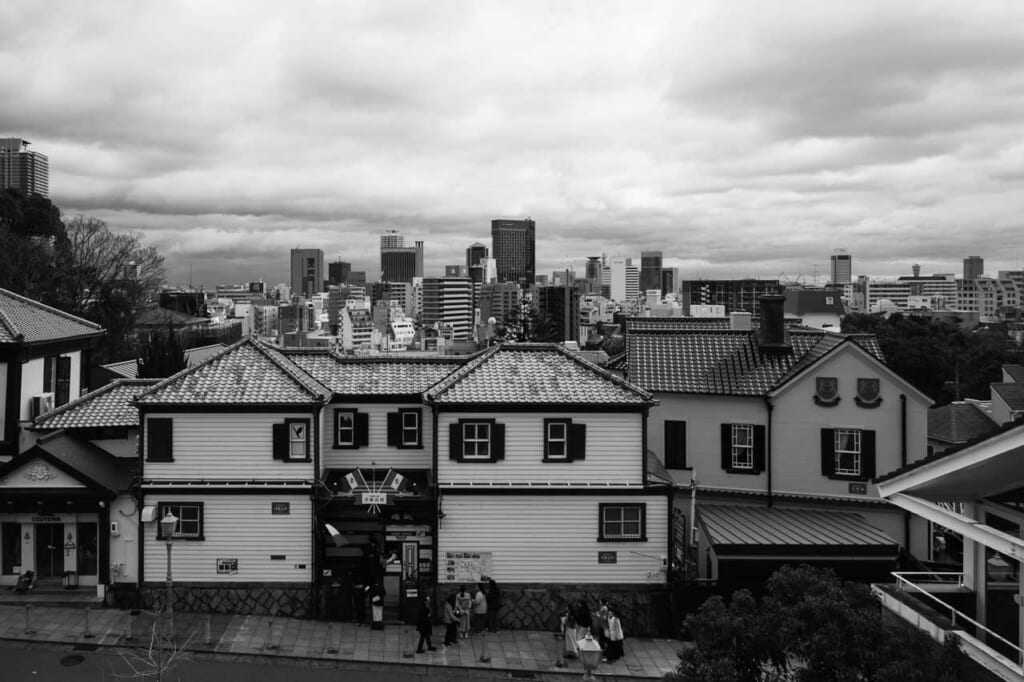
x=262 y=641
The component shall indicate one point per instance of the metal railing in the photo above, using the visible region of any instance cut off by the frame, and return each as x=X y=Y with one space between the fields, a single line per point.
x=954 y=614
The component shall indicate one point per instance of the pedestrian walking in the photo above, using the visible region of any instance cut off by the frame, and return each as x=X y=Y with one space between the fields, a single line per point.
x=464 y=602
x=479 y=609
x=571 y=648
x=601 y=624
x=425 y=625
x=376 y=594
x=615 y=649
x=451 y=621
x=493 y=605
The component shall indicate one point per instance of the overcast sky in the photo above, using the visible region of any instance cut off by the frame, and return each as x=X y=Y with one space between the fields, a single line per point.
x=739 y=138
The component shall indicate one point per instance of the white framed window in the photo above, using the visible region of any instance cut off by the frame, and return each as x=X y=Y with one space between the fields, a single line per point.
x=742 y=446
x=410 y=427
x=190 y=520
x=623 y=522
x=848 y=452
x=298 y=440
x=345 y=428
x=476 y=440
x=556 y=439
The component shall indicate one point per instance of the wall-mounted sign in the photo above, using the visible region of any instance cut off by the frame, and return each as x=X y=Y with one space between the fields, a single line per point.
x=47 y=519
x=375 y=498
x=465 y=567
x=858 y=488
x=227 y=566
x=280 y=508
x=607 y=557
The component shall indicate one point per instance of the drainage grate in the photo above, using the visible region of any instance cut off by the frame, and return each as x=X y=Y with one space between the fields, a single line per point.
x=85 y=647
x=522 y=675
x=72 y=660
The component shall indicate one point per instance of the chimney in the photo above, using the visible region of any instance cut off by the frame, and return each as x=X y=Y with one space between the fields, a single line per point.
x=740 y=321
x=772 y=336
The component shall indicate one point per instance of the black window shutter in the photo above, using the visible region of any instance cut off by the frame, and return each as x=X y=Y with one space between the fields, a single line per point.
x=759 y=448
x=727 y=446
x=280 y=441
x=675 y=444
x=160 y=440
x=48 y=373
x=362 y=429
x=828 y=452
x=497 y=441
x=63 y=387
x=867 y=454
x=455 y=441
x=394 y=428
x=577 y=441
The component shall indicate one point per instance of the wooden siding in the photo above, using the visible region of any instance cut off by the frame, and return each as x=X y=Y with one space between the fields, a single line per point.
x=226 y=447
x=614 y=450
x=236 y=527
x=378 y=449
x=553 y=539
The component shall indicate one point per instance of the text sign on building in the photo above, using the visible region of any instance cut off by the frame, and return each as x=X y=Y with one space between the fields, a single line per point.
x=858 y=488
x=280 y=508
x=227 y=566
x=375 y=498
x=607 y=557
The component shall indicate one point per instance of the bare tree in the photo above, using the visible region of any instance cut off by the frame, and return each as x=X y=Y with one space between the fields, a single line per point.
x=157 y=657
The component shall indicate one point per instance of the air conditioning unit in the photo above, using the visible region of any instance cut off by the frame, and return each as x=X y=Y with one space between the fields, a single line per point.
x=41 y=404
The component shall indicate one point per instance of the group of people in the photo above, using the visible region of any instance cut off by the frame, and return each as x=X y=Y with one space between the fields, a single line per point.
x=463 y=613
x=578 y=621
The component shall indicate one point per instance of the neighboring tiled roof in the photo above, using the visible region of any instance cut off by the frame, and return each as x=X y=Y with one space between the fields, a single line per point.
x=107 y=406
x=1016 y=372
x=245 y=373
x=959 y=423
x=23 y=320
x=738 y=529
x=129 y=369
x=1012 y=394
x=534 y=373
x=677 y=323
x=721 y=363
x=379 y=375
x=81 y=459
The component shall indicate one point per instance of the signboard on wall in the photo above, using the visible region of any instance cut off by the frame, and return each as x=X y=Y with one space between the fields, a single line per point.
x=465 y=567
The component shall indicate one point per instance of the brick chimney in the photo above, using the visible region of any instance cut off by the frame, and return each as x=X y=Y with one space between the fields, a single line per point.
x=772 y=335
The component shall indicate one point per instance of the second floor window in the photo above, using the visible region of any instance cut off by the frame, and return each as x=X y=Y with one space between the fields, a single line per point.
x=742 y=446
x=847 y=452
x=476 y=440
x=346 y=428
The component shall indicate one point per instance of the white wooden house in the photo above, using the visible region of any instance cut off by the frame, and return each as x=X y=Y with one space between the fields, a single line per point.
x=542 y=485
x=231 y=448
x=771 y=421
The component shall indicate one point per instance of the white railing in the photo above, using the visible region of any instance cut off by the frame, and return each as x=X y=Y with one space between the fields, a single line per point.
x=954 y=615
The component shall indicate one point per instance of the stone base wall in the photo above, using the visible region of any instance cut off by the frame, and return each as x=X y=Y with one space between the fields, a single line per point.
x=645 y=610
x=290 y=600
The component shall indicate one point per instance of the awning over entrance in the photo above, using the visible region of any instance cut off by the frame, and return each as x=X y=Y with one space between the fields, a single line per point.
x=757 y=531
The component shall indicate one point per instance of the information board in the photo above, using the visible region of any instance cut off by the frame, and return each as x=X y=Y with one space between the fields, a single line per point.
x=465 y=567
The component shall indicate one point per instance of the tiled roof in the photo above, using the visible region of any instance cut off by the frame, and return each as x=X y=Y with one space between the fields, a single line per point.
x=959 y=423
x=81 y=458
x=722 y=363
x=245 y=373
x=676 y=323
x=129 y=369
x=23 y=320
x=1011 y=393
x=1016 y=372
x=391 y=375
x=739 y=528
x=534 y=373
x=107 y=406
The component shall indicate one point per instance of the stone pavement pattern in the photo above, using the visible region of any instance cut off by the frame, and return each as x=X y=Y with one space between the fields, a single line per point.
x=295 y=638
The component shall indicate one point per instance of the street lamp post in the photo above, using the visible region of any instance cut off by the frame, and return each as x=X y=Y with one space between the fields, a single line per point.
x=168 y=524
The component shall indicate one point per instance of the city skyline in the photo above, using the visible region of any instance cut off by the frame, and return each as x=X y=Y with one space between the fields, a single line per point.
x=738 y=139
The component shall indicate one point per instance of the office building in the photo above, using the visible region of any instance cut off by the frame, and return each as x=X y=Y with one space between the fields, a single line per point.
x=737 y=295
x=447 y=306
x=561 y=306
x=456 y=271
x=650 y=270
x=513 y=243
x=22 y=169
x=593 y=274
x=842 y=267
x=974 y=267
x=401 y=263
x=668 y=281
x=620 y=279
x=307 y=272
x=392 y=239
x=338 y=271
x=498 y=300
x=476 y=261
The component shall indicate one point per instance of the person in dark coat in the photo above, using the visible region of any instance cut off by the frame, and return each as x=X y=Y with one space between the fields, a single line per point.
x=425 y=625
x=451 y=621
x=584 y=620
x=493 y=604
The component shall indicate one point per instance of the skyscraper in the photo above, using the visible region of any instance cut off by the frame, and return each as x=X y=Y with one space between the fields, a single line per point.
x=400 y=263
x=447 y=303
x=307 y=272
x=513 y=243
x=842 y=267
x=650 y=270
x=476 y=258
x=561 y=306
x=974 y=267
x=337 y=272
x=392 y=239
x=22 y=169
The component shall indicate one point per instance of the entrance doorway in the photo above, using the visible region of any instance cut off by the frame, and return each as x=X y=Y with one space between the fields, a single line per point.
x=49 y=550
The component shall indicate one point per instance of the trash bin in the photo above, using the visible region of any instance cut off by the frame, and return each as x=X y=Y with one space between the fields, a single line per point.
x=70 y=580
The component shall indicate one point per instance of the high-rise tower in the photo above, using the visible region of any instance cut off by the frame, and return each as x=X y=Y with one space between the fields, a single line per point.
x=22 y=169
x=307 y=272
x=513 y=243
x=650 y=270
x=842 y=267
x=974 y=267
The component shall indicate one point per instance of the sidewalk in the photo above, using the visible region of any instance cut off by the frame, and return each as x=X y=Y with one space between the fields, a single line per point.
x=295 y=638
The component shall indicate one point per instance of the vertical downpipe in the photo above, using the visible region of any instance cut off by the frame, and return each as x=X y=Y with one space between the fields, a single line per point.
x=903 y=463
x=768 y=448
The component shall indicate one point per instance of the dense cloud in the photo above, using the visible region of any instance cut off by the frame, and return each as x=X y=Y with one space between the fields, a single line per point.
x=741 y=139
